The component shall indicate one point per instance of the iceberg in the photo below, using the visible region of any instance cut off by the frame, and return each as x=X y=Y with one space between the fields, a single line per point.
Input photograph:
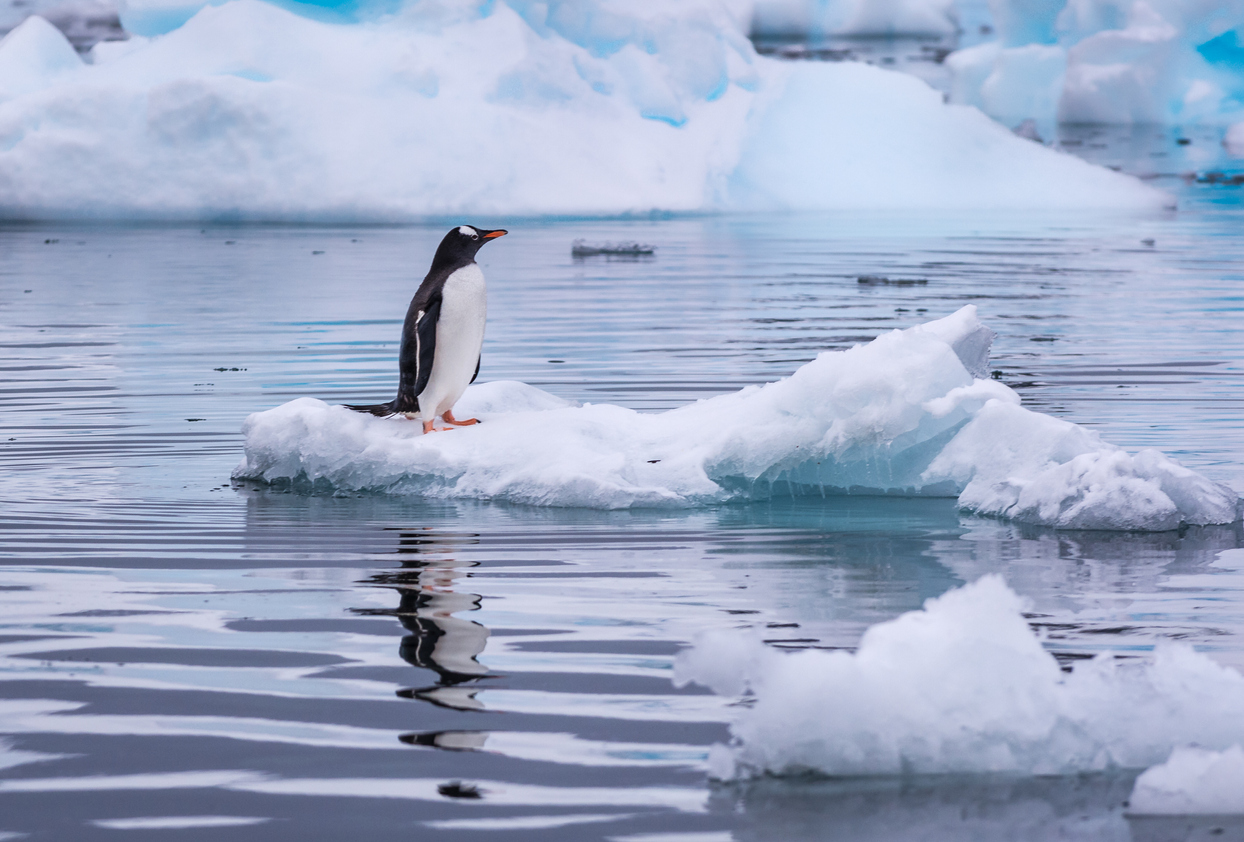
x=962 y=686
x=250 y=111
x=910 y=413
x=1194 y=781
x=1106 y=61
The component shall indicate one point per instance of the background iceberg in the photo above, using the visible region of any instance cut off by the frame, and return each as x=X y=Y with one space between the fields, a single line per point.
x=962 y=686
x=250 y=111
x=908 y=413
x=1107 y=61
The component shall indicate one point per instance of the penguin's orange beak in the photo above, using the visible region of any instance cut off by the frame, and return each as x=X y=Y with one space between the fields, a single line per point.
x=500 y=232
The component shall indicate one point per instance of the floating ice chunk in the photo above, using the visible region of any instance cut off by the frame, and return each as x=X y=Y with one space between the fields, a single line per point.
x=962 y=686
x=1234 y=140
x=1194 y=781
x=909 y=413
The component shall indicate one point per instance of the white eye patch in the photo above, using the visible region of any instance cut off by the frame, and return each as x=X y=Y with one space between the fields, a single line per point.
x=467 y=230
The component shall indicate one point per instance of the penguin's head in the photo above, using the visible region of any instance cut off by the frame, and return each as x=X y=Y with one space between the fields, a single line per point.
x=463 y=242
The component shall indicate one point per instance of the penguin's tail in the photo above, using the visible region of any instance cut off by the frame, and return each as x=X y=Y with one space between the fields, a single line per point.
x=384 y=410
x=379 y=409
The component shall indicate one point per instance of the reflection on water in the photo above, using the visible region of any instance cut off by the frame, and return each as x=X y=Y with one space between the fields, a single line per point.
x=438 y=640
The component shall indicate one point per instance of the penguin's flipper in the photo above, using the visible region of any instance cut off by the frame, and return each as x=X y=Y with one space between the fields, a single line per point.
x=425 y=330
x=476 y=374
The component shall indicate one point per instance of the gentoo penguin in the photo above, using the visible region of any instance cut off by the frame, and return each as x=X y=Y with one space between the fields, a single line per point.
x=443 y=333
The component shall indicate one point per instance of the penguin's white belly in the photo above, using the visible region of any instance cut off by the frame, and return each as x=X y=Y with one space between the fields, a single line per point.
x=459 y=339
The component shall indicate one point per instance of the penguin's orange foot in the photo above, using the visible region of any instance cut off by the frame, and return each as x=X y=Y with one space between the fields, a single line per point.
x=449 y=419
x=428 y=428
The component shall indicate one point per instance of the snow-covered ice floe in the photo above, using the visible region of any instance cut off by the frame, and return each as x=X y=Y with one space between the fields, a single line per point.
x=248 y=111
x=1194 y=781
x=910 y=413
x=962 y=686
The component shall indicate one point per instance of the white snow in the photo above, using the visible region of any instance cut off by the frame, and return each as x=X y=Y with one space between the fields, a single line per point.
x=250 y=111
x=962 y=686
x=908 y=413
x=1194 y=781
x=1107 y=61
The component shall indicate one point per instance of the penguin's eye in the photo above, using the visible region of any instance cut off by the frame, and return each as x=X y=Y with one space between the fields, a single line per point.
x=475 y=236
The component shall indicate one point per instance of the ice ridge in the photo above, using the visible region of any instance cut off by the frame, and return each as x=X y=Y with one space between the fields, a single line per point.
x=910 y=413
x=962 y=686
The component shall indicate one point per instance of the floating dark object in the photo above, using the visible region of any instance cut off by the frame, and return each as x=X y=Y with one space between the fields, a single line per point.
x=881 y=280
x=1148 y=241
x=49 y=242
x=196 y=419
x=317 y=252
x=228 y=369
x=230 y=242
x=1183 y=141
x=582 y=248
x=457 y=789
x=1216 y=177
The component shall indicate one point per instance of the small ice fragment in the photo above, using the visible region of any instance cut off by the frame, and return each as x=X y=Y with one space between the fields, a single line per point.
x=1193 y=781
x=582 y=248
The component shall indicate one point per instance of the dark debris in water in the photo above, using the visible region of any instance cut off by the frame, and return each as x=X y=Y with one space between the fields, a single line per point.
x=882 y=280
x=228 y=369
x=1221 y=178
x=458 y=789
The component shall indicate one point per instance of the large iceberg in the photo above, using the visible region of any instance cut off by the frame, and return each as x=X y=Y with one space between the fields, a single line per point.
x=1107 y=61
x=962 y=686
x=250 y=111
x=912 y=413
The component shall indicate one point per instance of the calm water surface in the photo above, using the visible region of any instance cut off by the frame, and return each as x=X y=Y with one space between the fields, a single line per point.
x=185 y=659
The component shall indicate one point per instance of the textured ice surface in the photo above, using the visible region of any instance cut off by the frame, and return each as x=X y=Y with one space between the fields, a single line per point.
x=1107 y=61
x=908 y=413
x=1193 y=781
x=249 y=111
x=962 y=686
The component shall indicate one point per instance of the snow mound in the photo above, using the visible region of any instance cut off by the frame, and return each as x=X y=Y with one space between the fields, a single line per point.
x=908 y=413
x=1107 y=61
x=962 y=686
x=1194 y=781
x=248 y=111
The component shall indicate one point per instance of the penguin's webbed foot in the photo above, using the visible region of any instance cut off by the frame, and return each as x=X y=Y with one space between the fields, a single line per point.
x=466 y=422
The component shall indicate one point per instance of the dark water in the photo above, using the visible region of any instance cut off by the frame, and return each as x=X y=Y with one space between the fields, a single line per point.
x=181 y=658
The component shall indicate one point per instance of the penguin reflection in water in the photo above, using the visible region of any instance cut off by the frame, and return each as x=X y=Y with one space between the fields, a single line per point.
x=443 y=333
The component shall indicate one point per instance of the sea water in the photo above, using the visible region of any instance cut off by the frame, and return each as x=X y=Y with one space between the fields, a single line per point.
x=181 y=656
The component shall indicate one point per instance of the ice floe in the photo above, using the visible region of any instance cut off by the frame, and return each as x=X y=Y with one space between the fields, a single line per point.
x=1194 y=781
x=962 y=686
x=910 y=413
x=1107 y=61
x=247 y=110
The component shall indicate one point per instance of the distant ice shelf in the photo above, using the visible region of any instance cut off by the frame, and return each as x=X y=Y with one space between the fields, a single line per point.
x=248 y=111
x=910 y=413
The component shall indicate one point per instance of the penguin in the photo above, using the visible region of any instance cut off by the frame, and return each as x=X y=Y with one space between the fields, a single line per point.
x=443 y=333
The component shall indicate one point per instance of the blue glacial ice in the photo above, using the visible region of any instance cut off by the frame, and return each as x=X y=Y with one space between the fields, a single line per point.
x=965 y=686
x=910 y=413
x=250 y=111
x=1107 y=61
